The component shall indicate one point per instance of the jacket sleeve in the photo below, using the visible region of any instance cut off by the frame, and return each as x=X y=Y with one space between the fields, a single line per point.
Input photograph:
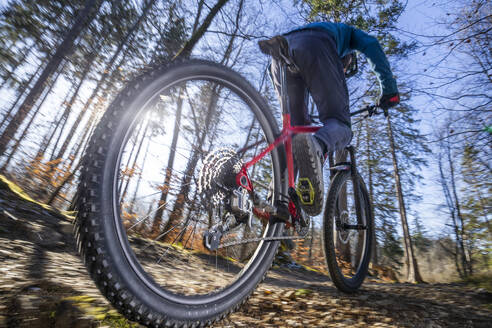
x=370 y=47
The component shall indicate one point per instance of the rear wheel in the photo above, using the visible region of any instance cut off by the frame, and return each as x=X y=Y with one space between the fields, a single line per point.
x=347 y=238
x=157 y=180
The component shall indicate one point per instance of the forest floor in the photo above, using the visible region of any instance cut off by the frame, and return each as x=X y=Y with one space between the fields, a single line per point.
x=43 y=283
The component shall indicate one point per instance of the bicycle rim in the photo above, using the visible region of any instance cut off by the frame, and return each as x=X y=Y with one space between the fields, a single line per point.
x=161 y=213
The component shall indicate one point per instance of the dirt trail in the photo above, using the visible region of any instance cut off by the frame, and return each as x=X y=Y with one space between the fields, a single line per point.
x=43 y=283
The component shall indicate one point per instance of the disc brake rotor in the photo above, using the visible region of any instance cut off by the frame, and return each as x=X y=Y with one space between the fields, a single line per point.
x=344 y=234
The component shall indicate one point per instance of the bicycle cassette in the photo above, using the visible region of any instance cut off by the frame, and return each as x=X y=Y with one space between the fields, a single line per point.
x=218 y=173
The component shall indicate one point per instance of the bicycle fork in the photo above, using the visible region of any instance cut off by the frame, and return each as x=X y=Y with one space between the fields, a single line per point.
x=352 y=166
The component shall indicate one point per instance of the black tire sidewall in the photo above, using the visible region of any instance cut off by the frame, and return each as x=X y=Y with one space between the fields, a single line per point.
x=110 y=226
x=342 y=283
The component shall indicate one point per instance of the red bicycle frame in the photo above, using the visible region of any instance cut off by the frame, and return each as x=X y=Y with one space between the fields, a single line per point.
x=285 y=137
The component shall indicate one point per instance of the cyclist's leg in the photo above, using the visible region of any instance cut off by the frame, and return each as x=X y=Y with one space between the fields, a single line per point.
x=321 y=69
x=308 y=155
x=334 y=134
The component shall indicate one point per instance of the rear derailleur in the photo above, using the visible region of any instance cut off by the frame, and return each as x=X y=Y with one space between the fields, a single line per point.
x=238 y=210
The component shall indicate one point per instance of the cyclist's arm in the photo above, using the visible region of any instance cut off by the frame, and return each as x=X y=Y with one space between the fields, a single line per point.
x=370 y=47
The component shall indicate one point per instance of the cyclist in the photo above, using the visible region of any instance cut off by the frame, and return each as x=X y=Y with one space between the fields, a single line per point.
x=318 y=50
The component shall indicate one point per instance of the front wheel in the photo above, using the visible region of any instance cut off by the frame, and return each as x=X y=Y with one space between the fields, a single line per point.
x=156 y=183
x=347 y=237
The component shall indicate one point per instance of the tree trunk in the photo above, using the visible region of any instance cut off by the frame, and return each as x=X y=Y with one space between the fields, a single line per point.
x=19 y=97
x=169 y=168
x=190 y=44
x=198 y=15
x=68 y=106
x=466 y=258
x=134 y=164
x=188 y=218
x=122 y=181
x=374 y=248
x=134 y=198
x=454 y=208
x=85 y=16
x=50 y=134
x=80 y=147
x=62 y=184
x=413 y=274
x=457 y=254
x=182 y=196
x=26 y=129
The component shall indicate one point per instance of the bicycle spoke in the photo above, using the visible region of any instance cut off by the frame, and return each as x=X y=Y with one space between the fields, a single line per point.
x=179 y=235
x=146 y=217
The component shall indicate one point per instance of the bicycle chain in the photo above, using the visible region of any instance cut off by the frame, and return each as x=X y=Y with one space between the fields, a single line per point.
x=251 y=240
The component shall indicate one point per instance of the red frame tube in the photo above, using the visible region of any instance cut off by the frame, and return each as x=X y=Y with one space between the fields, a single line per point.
x=285 y=137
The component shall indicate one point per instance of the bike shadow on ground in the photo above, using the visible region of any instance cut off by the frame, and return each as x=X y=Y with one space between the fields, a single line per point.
x=44 y=304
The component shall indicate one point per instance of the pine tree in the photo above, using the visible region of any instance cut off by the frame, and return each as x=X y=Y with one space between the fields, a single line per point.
x=476 y=209
x=31 y=27
x=84 y=17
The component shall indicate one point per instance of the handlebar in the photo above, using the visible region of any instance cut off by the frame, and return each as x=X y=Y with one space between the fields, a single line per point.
x=371 y=110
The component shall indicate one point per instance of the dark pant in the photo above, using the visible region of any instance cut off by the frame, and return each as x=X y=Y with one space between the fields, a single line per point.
x=321 y=74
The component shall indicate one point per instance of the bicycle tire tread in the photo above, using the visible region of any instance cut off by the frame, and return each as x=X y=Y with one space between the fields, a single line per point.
x=90 y=240
x=304 y=156
x=328 y=250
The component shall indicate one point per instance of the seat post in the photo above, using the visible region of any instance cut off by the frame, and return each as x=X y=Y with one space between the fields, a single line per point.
x=284 y=97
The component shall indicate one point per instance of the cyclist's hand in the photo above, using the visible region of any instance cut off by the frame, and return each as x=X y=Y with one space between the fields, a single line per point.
x=388 y=101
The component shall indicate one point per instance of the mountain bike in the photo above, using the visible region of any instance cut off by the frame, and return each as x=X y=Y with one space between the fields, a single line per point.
x=186 y=189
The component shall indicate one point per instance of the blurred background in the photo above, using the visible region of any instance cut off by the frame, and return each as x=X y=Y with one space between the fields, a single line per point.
x=63 y=62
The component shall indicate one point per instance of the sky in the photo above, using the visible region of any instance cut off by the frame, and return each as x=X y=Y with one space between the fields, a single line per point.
x=420 y=18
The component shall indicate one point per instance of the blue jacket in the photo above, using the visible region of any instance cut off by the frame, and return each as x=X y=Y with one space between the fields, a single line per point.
x=348 y=39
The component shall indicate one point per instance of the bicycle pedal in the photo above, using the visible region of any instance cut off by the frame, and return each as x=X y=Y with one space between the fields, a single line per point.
x=305 y=191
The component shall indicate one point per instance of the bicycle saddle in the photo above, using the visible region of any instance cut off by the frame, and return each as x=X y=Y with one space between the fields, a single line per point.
x=278 y=48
